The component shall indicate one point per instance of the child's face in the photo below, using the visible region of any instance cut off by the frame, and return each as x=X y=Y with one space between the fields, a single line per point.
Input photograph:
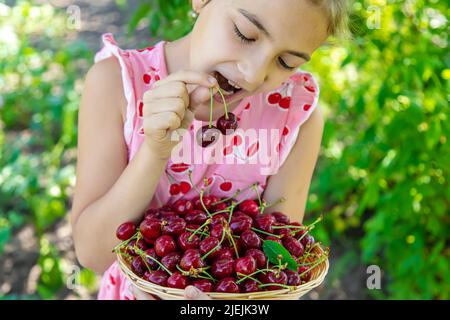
x=285 y=27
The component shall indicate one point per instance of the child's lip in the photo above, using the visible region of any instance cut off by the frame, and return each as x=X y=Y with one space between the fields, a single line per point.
x=218 y=98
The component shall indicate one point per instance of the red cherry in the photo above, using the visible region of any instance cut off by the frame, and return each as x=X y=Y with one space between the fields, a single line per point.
x=264 y=223
x=274 y=98
x=196 y=217
x=207 y=136
x=305 y=277
x=307 y=240
x=274 y=239
x=239 y=224
x=183 y=206
x=293 y=278
x=227 y=126
x=203 y=285
x=184 y=243
x=125 y=231
x=177 y=280
x=226 y=252
x=147 y=78
x=138 y=266
x=191 y=258
x=165 y=245
x=259 y=257
x=158 y=277
x=150 y=228
x=285 y=131
x=185 y=187
x=227 y=285
x=306 y=107
x=222 y=268
x=276 y=278
x=249 y=239
x=207 y=202
x=281 y=217
x=132 y=245
x=226 y=186
x=249 y=285
x=207 y=245
x=174 y=227
x=249 y=207
x=217 y=231
x=174 y=189
x=245 y=265
x=171 y=260
x=285 y=103
x=293 y=246
x=150 y=262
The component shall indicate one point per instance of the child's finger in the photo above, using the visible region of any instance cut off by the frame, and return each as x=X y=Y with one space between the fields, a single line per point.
x=192 y=293
x=188 y=77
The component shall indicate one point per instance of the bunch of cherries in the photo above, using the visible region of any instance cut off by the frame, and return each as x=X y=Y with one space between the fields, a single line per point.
x=216 y=244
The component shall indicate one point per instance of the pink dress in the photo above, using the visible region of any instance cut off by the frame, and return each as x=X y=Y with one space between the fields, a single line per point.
x=268 y=127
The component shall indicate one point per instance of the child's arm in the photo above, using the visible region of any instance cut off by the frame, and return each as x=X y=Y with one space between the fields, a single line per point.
x=293 y=179
x=108 y=191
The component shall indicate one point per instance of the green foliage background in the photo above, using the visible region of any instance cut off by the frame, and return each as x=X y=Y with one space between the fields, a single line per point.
x=382 y=179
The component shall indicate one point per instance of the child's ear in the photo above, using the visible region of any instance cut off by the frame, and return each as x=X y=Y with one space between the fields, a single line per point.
x=197 y=5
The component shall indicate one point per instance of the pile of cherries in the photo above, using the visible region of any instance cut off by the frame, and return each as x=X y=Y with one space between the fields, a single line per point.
x=216 y=245
x=226 y=124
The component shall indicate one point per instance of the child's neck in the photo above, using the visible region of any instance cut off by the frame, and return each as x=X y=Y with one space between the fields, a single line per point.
x=177 y=54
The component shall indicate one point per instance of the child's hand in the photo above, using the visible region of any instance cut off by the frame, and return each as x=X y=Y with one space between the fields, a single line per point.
x=190 y=293
x=169 y=106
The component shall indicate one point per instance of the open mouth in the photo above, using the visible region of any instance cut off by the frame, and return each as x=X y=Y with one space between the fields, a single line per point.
x=227 y=86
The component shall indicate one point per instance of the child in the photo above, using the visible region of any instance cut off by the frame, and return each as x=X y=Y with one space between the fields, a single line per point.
x=136 y=102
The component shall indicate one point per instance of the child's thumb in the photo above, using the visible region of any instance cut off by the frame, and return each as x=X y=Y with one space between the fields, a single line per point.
x=200 y=95
x=192 y=293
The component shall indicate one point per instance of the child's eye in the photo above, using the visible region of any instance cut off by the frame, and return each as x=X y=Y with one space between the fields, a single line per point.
x=243 y=38
x=285 y=65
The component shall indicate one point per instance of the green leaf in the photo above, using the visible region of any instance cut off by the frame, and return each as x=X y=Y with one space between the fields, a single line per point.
x=273 y=250
x=140 y=13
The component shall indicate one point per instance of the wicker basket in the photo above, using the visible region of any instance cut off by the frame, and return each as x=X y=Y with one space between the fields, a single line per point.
x=317 y=276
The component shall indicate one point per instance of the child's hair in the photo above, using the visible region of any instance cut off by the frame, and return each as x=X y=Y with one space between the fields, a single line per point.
x=337 y=12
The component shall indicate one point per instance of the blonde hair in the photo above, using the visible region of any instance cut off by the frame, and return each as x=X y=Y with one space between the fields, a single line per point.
x=338 y=12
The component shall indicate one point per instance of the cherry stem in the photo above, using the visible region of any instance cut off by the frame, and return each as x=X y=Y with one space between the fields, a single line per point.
x=232 y=241
x=209 y=277
x=255 y=187
x=200 y=232
x=211 y=107
x=224 y=102
x=217 y=246
x=203 y=204
x=266 y=233
x=142 y=253
x=249 y=277
x=322 y=259
x=124 y=243
x=192 y=183
x=289 y=226
x=252 y=274
x=282 y=199
x=221 y=211
x=199 y=228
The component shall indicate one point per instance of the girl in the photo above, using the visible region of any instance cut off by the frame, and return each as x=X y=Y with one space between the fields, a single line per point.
x=136 y=101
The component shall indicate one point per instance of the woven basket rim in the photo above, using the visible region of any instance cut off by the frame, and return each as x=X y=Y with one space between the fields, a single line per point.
x=319 y=272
